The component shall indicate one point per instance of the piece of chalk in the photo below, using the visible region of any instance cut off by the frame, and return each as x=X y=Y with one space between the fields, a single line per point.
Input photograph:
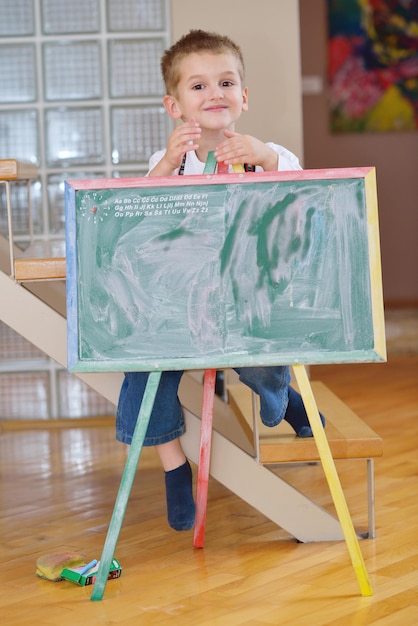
x=88 y=567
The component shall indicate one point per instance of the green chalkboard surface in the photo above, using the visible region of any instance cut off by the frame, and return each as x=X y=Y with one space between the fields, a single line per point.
x=223 y=271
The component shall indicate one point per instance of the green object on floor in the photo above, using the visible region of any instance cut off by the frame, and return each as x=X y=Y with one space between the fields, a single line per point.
x=86 y=574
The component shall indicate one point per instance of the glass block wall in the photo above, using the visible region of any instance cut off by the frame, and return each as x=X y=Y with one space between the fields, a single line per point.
x=81 y=97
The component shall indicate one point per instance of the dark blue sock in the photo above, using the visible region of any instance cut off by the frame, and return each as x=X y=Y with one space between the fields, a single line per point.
x=181 y=509
x=296 y=415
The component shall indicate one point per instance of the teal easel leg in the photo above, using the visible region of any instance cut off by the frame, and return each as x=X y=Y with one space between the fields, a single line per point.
x=126 y=485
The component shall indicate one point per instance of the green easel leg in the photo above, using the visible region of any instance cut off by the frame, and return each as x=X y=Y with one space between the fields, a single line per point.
x=126 y=485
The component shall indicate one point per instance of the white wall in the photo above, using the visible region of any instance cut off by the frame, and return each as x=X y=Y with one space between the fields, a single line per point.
x=268 y=34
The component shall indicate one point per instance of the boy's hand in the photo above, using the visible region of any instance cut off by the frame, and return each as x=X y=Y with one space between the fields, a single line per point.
x=181 y=140
x=246 y=149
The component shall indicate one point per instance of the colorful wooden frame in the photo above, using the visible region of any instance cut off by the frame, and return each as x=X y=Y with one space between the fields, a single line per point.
x=218 y=271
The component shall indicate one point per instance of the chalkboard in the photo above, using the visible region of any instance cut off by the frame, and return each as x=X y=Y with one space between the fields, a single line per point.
x=215 y=271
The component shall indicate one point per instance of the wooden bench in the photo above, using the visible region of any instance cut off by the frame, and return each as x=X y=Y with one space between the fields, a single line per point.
x=348 y=436
x=42 y=260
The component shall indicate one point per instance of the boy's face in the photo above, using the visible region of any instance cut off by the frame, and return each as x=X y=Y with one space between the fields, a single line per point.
x=209 y=91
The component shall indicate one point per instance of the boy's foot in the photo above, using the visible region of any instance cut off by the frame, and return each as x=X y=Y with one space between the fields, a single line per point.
x=296 y=415
x=181 y=509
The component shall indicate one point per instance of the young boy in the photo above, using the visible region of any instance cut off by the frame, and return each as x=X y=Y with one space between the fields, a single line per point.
x=206 y=93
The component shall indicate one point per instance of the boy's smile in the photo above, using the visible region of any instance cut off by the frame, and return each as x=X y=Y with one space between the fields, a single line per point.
x=209 y=91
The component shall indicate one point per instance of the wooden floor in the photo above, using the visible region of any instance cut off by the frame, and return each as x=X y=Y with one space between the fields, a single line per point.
x=58 y=488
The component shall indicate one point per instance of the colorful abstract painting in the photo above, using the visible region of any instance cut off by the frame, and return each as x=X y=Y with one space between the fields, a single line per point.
x=373 y=65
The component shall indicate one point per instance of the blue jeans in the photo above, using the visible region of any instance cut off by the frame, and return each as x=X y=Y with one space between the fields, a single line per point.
x=167 y=421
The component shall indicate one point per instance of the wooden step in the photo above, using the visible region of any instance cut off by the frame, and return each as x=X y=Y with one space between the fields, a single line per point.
x=348 y=436
x=43 y=260
x=12 y=169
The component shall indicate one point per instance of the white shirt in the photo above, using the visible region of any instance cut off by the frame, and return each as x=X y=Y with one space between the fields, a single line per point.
x=287 y=161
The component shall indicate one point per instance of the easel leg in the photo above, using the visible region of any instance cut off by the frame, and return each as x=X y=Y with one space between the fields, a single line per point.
x=126 y=485
x=204 y=457
x=333 y=480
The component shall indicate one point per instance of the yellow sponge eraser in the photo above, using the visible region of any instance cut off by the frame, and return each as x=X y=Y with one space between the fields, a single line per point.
x=50 y=566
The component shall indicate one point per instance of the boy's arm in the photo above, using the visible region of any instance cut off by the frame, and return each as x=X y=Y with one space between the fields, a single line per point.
x=270 y=160
x=161 y=168
x=247 y=149
x=181 y=140
x=287 y=160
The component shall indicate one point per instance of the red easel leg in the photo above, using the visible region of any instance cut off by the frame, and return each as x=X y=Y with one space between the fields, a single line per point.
x=204 y=457
x=223 y=168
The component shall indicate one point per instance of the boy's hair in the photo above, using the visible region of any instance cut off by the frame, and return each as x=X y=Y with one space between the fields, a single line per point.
x=196 y=41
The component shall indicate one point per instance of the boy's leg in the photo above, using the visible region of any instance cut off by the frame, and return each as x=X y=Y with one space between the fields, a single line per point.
x=296 y=415
x=171 y=454
x=165 y=427
x=166 y=421
x=181 y=508
x=278 y=400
